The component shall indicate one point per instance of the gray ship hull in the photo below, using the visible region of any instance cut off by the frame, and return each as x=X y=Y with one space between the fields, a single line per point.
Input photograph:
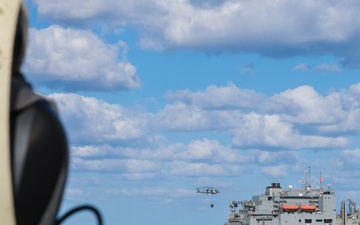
x=293 y=207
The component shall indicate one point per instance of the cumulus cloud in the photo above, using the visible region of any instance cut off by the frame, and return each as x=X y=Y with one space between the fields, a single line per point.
x=111 y=138
x=298 y=118
x=271 y=131
x=90 y=151
x=275 y=171
x=73 y=59
x=113 y=165
x=267 y=158
x=198 y=158
x=350 y=157
x=179 y=192
x=310 y=107
x=92 y=120
x=266 y=27
x=346 y=107
x=211 y=150
x=218 y=97
x=181 y=168
x=180 y=116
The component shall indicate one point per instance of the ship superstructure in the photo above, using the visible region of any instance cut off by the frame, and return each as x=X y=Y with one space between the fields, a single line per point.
x=304 y=206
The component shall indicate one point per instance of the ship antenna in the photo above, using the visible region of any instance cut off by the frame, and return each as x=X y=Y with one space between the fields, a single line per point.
x=321 y=181
x=303 y=182
x=308 y=186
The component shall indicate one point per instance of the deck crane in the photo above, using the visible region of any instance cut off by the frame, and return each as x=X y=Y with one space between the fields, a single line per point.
x=353 y=204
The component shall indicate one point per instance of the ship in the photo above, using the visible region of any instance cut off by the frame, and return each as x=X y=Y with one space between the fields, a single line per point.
x=294 y=206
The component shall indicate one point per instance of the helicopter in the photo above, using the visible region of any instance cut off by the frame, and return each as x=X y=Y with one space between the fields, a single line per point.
x=208 y=190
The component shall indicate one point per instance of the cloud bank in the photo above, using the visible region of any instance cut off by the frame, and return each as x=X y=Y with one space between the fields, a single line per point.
x=264 y=130
x=270 y=28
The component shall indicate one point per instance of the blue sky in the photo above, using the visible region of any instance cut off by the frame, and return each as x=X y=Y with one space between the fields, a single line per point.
x=160 y=97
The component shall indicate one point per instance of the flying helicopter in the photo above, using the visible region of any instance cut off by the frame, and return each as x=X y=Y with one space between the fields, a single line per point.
x=208 y=190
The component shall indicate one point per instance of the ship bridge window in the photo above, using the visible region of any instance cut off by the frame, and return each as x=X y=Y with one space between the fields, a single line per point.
x=318 y=220
x=308 y=221
x=327 y=220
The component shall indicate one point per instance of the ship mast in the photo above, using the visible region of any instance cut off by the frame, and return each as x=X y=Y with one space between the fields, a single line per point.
x=321 y=181
x=307 y=177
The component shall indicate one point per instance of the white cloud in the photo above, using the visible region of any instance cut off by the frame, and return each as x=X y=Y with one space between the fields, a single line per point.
x=114 y=165
x=180 y=116
x=198 y=158
x=86 y=181
x=91 y=120
x=181 y=168
x=275 y=171
x=269 y=27
x=67 y=58
x=211 y=150
x=266 y=157
x=310 y=106
x=139 y=163
x=89 y=151
x=145 y=192
x=247 y=69
x=231 y=104
x=321 y=68
x=138 y=176
x=350 y=157
x=134 y=168
x=301 y=67
x=346 y=107
x=218 y=97
x=92 y=123
x=296 y=118
x=327 y=68
x=76 y=195
x=269 y=130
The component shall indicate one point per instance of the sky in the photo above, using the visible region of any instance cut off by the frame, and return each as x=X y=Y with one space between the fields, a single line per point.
x=161 y=97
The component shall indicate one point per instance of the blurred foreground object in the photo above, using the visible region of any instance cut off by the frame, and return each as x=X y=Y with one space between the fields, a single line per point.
x=34 y=150
x=8 y=19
